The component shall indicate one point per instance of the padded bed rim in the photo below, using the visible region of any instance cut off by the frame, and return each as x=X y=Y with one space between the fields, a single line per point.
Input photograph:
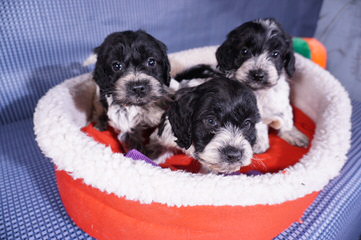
x=65 y=108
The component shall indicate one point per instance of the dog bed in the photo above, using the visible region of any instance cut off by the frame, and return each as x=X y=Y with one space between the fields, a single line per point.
x=112 y=196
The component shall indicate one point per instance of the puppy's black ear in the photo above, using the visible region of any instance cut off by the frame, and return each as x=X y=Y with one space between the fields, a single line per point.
x=165 y=62
x=289 y=58
x=225 y=56
x=99 y=76
x=102 y=79
x=180 y=117
x=166 y=70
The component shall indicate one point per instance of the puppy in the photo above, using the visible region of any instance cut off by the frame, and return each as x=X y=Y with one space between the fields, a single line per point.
x=260 y=54
x=213 y=122
x=132 y=73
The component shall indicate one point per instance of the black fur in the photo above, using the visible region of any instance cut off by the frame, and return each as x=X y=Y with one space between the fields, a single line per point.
x=161 y=125
x=220 y=101
x=133 y=68
x=131 y=49
x=180 y=116
x=198 y=71
x=256 y=38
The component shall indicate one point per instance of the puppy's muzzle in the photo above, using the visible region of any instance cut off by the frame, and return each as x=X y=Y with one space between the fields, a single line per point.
x=231 y=154
x=258 y=75
x=139 y=89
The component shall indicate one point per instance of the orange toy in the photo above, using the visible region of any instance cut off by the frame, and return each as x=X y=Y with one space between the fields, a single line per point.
x=318 y=51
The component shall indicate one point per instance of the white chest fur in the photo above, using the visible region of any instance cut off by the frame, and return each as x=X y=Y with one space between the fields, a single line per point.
x=274 y=104
x=126 y=118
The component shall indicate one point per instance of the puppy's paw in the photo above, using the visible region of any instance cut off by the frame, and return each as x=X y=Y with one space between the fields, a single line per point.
x=101 y=121
x=163 y=157
x=261 y=145
x=262 y=142
x=132 y=141
x=295 y=137
x=158 y=153
x=101 y=126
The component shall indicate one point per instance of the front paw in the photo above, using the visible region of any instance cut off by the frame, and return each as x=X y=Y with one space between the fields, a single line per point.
x=295 y=137
x=101 y=126
x=261 y=145
x=163 y=157
x=132 y=141
x=101 y=123
x=262 y=140
x=158 y=153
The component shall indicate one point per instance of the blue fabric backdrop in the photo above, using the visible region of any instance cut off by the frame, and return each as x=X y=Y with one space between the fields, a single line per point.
x=44 y=42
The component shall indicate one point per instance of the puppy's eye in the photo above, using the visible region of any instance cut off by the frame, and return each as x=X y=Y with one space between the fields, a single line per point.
x=211 y=122
x=117 y=66
x=275 y=54
x=247 y=124
x=244 y=51
x=151 y=62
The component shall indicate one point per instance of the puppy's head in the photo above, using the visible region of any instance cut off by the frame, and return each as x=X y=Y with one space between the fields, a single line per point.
x=133 y=67
x=216 y=120
x=257 y=53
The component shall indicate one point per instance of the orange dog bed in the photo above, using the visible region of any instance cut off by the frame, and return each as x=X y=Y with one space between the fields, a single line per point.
x=111 y=196
x=99 y=213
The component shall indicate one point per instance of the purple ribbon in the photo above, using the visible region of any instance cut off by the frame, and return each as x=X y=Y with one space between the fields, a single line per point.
x=136 y=155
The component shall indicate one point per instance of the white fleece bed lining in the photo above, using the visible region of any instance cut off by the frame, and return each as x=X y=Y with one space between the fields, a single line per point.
x=64 y=110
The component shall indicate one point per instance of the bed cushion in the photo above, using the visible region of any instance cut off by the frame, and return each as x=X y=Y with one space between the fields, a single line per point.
x=32 y=209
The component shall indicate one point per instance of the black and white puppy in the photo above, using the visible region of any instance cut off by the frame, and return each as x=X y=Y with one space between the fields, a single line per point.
x=260 y=54
x=132 y=74
x=214 y=122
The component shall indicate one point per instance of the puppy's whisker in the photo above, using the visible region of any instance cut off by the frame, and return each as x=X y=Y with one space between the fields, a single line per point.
x=257 y=159
x=259 y=162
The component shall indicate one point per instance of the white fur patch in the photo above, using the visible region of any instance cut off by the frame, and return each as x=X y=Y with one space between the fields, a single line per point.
x=262 y=142
x=274 y=104
x=262 y=62
x=211 y=156
x=124 y=118
x=120 y=91
x=276 y=111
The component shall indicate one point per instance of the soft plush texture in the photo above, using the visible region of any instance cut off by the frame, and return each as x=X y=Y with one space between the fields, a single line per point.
x=318 y=94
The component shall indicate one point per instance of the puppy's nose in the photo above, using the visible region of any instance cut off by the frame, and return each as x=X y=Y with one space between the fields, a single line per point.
x=231 y=154
x=258 y=75
x=139 y=89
